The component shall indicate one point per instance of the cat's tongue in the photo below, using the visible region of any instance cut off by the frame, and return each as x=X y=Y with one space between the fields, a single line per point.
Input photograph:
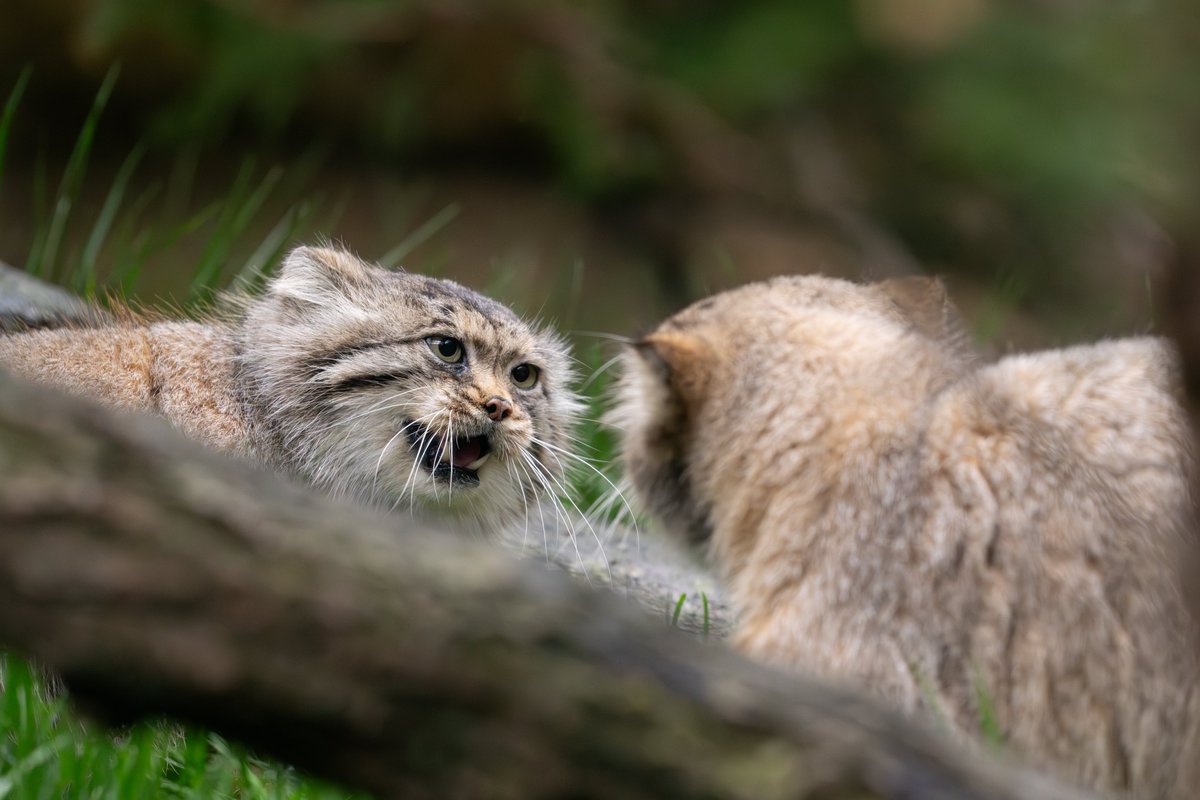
x=467 y=451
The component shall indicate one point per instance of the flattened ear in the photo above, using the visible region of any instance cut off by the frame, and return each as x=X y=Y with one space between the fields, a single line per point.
x=318 y=274
x=923 y=301
x=683 y=362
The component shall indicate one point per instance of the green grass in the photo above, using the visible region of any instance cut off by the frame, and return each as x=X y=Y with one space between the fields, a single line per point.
x=48 y=753
x=989 y=726
x=150 y=214
x=674 y=616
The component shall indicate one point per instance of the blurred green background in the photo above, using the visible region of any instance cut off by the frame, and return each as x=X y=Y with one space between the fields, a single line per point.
x=603 y=162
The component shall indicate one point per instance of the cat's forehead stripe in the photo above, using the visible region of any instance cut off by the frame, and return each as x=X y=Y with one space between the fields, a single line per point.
x=499 y=354
x=451 y=297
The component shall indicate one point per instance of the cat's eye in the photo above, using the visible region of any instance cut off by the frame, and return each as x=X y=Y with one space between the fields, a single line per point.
x=447 y=349
x=525 y=376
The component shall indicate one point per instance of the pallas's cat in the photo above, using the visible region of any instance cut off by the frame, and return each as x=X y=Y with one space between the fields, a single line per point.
x=385 y=386
x=996 y=544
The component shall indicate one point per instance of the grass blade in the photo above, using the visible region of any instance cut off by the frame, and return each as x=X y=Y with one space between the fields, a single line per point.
x=268 y=252
x=10 y=111
x=86 y=273
x=39 y=208
x=239 y=211
x=678 y=610
x=42 y=260
x=127 y=265
x=989 y=726
x=421 y=235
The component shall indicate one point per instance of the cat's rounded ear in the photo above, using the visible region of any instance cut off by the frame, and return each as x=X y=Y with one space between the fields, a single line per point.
x=317 y=275
x=683 y=362
x=924 y=302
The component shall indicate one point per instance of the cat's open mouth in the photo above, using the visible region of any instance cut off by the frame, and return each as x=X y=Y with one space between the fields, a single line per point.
x=457 y=463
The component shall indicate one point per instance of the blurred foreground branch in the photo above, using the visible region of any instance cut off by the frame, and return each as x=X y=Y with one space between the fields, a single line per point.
x=157 y=577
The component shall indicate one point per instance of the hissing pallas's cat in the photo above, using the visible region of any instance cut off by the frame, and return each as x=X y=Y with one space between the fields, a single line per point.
x=972 y=540
x=381 y=385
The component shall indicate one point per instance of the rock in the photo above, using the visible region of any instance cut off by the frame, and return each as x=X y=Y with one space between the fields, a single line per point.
x=27 y=302
x=646 y=567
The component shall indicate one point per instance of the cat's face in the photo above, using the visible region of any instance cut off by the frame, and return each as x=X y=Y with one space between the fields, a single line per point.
x=724 y=402
x=405 y=390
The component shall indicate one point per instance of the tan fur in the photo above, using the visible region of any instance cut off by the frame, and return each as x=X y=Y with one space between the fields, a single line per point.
x=327 y=373
x=178 y=369
x=889 y=513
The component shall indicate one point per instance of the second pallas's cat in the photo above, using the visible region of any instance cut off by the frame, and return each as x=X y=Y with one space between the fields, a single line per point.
x=386 y=386
x=996 y=544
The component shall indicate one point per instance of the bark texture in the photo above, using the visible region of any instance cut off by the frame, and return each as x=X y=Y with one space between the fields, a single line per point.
x=159 y=578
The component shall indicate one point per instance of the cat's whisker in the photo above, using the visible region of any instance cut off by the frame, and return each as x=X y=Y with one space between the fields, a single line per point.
x=560 y=512
x=379 y=461
x=555 y=451
x=428 y=450
x=387 y=398
x=541 y=513
x=403 y=429
x=348 y=422
x=577 y=360
x=599 y=371
x=603 y=508
x=576 y=441
x=422 y=446
x=545 y=535
x=566 y=495
x=612 y=337
x=450 y=455
x=508 y=467
x=601 y=422
x=386 y=404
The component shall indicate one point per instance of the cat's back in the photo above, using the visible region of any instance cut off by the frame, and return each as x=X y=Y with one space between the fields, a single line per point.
x=193 y=374
x=111 y=364
x=1061 y=479
x=1099 y=426
x=182 y=370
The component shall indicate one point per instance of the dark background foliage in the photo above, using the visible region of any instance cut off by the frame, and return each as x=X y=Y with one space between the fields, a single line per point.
x=606 y=161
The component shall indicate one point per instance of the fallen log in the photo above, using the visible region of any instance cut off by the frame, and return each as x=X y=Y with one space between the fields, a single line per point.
x=159 y=578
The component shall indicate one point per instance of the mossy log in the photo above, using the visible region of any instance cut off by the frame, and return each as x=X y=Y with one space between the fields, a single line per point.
x=159 y=578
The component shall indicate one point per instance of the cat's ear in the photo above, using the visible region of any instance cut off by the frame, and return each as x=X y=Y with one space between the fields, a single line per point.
x=318 y=275
x=682 y=362
x=924 y=302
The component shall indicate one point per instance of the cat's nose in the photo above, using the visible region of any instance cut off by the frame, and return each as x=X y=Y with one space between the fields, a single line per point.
x=498 y=408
